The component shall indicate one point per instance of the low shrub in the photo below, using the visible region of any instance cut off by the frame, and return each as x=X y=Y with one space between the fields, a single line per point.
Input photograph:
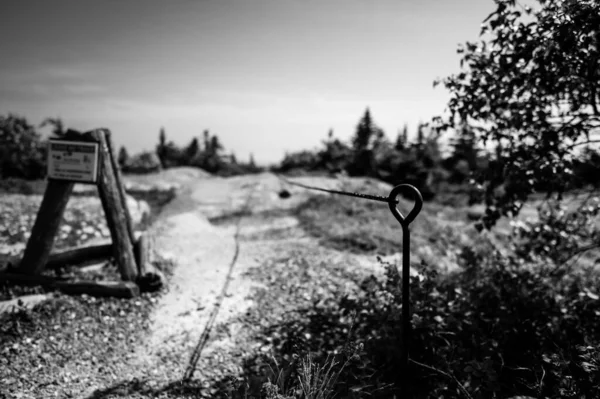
x=145 y=162
x=22 y=151
x=498 y=328
x=20 y=186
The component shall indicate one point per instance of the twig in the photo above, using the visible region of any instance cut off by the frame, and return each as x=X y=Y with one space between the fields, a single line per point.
x=581 y=143
x=447 y=375
x=542 y=381
x=581 y=250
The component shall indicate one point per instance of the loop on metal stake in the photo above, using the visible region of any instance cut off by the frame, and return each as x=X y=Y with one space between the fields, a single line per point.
x=418 y=198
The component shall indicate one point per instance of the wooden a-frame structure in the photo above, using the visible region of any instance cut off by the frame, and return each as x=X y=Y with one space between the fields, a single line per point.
x=131 y=255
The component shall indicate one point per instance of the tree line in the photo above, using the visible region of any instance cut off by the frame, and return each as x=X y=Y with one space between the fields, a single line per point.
x=207 y=154
x=23 y=152
x=424 y=161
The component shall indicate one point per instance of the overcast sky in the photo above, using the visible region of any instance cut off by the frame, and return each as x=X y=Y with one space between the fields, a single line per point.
x=266 y=76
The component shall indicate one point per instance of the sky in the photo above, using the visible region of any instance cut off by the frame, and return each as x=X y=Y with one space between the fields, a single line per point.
x=266 y=76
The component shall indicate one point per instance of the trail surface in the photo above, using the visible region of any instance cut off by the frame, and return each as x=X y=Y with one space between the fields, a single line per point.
x=205 y=258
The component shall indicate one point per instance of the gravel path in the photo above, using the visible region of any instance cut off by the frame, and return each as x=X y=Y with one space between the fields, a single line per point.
x=214 y=229
x=202 y=253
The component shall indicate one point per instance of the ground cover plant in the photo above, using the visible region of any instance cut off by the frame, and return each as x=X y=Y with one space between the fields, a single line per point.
x=499 y=326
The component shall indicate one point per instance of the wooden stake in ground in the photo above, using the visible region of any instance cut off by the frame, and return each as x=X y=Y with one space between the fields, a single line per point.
x=150 y=278
x=114 y=209
x=119 y=185
x=46 y=226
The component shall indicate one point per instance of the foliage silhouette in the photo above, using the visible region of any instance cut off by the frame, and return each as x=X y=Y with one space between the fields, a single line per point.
x=532 y=87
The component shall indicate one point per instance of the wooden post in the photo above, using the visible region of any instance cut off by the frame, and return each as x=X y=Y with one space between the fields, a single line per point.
x=78 y=255
x=119 y=289
x=114 y=209
x=150 y=278
x=120 y=186
x=45 y=227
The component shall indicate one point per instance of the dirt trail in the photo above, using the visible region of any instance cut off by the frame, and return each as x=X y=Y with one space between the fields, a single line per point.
x=202 y=254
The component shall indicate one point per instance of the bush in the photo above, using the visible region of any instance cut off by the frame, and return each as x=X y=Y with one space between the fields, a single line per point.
x=498 y=328
x=146 y=162
x=22 y=153
x=559 y=233
x=19 y=186
x=305 y=160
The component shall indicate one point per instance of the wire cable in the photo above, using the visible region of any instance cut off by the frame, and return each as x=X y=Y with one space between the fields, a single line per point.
x=346 y=193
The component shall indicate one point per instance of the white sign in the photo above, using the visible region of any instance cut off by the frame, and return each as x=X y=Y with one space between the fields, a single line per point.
x=73 y=160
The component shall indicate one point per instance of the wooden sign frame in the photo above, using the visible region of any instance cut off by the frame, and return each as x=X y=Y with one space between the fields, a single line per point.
x=112 y=196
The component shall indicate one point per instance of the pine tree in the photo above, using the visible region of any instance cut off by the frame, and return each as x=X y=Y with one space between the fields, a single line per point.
x=379 y=140
x=214 y=146
x=366 y=137
x=191 y=151
x=402 y=139
x=123 y=157
x=161 y=148
x=206 y=140
x=364 y=133
x=420 y=135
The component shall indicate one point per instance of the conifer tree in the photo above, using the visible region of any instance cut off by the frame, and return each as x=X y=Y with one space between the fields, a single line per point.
x=402 y=139
x=161 y=148
x=123 y=157
x=364 y=140
x=191 y=151
x=206 y=139
x=214 y=146
x=365 y=131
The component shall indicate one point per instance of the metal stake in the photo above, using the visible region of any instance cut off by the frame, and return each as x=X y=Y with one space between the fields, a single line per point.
x=405 y=222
